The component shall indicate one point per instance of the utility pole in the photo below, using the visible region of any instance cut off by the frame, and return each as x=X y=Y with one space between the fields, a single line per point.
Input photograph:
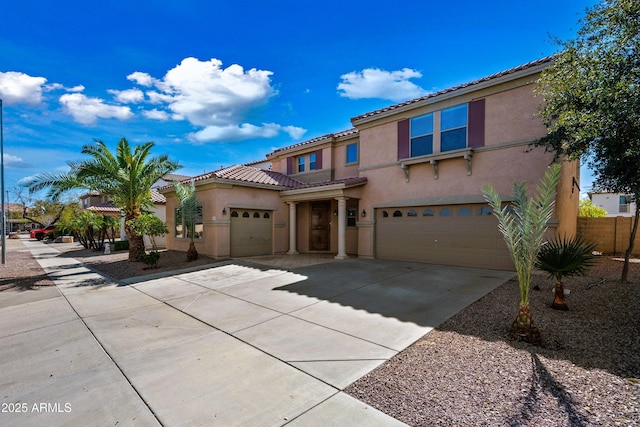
x=9 y=217
x=4 y=216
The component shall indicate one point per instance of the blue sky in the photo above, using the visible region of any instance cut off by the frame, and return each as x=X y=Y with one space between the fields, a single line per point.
x=217 y=83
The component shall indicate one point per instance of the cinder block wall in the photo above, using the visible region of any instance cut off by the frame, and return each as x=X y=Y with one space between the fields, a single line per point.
x=611 y=234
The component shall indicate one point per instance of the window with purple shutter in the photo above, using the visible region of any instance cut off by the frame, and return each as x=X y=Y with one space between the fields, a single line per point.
x=289 y=165
x=403 y=139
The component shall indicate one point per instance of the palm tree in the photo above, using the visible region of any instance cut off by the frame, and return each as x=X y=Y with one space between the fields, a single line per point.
x=125 y=178
x=523 y=224
x=189 y=209
x=564 y=257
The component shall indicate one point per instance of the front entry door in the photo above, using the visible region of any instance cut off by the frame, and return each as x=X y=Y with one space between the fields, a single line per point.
x=320 y=212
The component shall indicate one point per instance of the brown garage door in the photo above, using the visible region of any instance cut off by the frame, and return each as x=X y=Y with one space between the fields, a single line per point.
x=251 y=232
x=461 y=235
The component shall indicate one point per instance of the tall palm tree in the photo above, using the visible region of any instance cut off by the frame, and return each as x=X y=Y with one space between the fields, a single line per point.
x=189 y=208
x=523 y=224
x=565 y=257
x=125 y=178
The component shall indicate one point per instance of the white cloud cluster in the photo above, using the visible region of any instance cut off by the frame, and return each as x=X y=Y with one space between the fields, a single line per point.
x=129 y=96
x=87 y=110
x=375 y=83
x=214 y=98
x=12 y=161
x=21 y=88
x=243 y=131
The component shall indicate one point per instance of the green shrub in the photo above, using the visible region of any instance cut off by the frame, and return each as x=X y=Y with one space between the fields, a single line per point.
x=121 y=245
x=151 y=258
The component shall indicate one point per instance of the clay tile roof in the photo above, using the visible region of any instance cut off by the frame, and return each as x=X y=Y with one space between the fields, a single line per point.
x=248 y=174
x=475 y=82
x=257 y=176
x=328 y=137
x=104 y=207
x=175 y=177
x=348 y=182
x=158 y=198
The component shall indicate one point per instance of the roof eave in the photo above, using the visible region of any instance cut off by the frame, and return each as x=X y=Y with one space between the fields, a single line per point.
x=529 y=71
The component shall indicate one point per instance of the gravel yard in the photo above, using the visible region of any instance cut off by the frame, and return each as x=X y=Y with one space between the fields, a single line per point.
x=468 y=372
x=117 y=266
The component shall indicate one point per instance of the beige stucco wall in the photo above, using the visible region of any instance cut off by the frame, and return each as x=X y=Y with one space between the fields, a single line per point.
x=159 y=211
x=217 y=226
x=511 y=116
x=510 y=125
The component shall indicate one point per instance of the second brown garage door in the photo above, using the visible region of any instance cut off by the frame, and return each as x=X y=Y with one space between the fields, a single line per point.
x=460 y=235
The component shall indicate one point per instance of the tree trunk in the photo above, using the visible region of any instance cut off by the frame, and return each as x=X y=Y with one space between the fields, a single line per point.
x=192 y=253
x=632 y=239
x=523 y=328
x=136 y=247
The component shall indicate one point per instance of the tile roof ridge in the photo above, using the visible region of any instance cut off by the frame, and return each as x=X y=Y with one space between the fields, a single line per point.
x=334 y=135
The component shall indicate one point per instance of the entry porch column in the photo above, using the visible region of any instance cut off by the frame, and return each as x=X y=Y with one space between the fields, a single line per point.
x=292 y=229
x=342 y=228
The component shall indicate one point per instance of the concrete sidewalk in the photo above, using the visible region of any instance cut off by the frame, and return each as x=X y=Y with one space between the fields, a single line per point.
x=240 y=344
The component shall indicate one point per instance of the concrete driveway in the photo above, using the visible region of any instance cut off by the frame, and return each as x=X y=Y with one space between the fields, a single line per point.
x=240 y=343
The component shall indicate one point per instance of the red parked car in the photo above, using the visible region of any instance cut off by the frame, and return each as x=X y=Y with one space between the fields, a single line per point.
x=40 y=233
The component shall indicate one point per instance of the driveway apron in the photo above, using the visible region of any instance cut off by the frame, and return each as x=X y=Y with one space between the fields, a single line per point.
x=236 y=344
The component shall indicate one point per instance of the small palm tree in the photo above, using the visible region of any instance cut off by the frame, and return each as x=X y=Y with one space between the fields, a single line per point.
x=125 y=178
x=189 y=209
x=523 y=225
x=565 y=257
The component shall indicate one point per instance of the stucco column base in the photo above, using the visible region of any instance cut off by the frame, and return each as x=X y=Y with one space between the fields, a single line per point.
x=342 y=228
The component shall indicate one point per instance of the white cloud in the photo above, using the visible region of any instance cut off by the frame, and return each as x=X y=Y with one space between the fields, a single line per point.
x=129 y=96
x=294 y=131
x=214 y=98
x=21 y=88
x=12 y=161
x=87 y=110
x=244 y=131
x=143 y=79
x=156 y=114
x=376 y=83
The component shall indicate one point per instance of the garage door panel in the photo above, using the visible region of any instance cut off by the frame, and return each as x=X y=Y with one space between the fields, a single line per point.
x=251 y=233
x=470 y=239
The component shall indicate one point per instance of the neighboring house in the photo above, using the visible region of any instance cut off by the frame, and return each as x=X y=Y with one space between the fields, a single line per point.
x=100 y=204
x=168 y=179
x=404 y=183
x=15 y=222
x=614 y=203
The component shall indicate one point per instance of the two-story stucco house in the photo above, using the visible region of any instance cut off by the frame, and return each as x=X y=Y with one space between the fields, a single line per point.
x=404 y=183
x=615 y=204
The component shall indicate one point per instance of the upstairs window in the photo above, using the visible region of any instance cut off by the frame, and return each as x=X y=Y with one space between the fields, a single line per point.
x=421 y=133
x=453 y=128
x=312 y=161
x=625 y=202
x=352 y=153
x=300 y=164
